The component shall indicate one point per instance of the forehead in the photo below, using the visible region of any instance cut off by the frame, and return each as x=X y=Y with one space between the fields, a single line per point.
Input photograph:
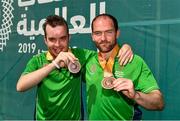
x=49 y=27
x=103 y=22
x=60 y=29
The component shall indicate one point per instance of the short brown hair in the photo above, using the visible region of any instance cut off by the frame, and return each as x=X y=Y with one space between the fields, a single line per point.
x=53 y=21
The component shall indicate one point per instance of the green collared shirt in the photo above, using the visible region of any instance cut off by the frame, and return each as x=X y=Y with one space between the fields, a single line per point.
x=107 y=104
x=59 y=94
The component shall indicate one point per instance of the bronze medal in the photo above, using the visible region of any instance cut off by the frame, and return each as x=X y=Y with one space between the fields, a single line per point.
x=107 y=82
x=107 y=66
x=74 y=67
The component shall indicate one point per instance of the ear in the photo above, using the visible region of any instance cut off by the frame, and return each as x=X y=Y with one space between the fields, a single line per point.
x=92 y=37
x=45 y=40
x=69 y=38
x=118 y=34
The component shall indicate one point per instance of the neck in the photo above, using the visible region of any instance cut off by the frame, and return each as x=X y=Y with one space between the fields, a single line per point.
x=113 y=52
x=106 y=55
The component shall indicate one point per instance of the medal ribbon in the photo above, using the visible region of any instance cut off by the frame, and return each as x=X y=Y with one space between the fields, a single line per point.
x=108 y=65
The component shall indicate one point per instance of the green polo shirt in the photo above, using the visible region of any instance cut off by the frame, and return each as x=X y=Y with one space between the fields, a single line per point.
x=59 y=94
x=107 y=104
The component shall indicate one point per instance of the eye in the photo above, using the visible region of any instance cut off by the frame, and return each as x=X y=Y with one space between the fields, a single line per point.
x=97 y=33
x=64 y=38
x=52 y=39
x=109 y=31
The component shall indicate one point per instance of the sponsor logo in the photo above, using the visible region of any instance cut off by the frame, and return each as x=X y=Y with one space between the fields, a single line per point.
x=119 y=74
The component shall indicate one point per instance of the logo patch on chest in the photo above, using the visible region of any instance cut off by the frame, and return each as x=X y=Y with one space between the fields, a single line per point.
x=119 y=74
x=93 y=68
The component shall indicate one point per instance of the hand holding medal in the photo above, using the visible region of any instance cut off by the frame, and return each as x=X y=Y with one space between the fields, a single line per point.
x=74 y=67
x=107 y=82
x=66 y=59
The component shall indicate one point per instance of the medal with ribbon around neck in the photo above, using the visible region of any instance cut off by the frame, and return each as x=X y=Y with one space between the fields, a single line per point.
x=107 y=66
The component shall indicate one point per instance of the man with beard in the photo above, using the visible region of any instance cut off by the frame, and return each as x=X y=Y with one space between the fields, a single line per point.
x=112 y=89
x=58 y=90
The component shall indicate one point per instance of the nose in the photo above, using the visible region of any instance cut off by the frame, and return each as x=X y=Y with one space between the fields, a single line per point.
x=103 y=36
x=57 y=43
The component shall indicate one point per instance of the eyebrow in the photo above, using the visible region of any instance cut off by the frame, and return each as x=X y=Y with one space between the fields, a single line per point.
x=104 y=31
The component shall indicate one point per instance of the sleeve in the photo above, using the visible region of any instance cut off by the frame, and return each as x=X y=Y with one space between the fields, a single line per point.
x=83 y=55
x=31 y=66
x=146 y=80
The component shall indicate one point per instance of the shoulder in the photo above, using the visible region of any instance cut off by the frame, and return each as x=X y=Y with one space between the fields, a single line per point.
x=79 y=52
x=75 y=50
x=137 y=60
x=39 y=56
x=37 y=60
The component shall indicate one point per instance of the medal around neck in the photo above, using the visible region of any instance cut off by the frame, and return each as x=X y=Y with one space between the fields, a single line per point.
x=74 y=67
x=107 y=82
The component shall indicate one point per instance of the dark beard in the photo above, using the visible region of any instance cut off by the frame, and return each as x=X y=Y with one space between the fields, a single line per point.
x=110 y=47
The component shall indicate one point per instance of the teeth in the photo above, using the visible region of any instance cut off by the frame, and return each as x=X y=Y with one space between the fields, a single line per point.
x=57 y=50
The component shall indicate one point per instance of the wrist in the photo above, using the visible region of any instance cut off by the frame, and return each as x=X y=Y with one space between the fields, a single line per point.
x=137 y=95
x=55 y=64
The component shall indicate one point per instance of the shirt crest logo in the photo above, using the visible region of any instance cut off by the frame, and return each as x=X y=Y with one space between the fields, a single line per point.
x=93 y=68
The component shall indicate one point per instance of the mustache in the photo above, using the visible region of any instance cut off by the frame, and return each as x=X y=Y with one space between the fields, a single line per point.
x=104 y=42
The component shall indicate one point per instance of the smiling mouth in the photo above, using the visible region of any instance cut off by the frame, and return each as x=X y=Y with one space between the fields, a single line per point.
x=57 y=51
x=104 y=44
